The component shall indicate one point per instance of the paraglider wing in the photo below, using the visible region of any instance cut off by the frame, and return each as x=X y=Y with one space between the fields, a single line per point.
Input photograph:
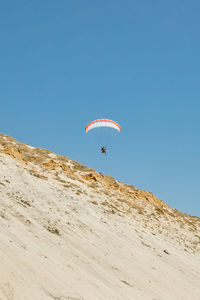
x=102 y=123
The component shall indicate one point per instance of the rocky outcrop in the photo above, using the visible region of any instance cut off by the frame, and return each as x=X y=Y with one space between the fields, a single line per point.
x=52 y=162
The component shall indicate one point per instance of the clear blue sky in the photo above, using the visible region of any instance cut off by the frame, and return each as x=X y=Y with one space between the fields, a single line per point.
x=65 y=63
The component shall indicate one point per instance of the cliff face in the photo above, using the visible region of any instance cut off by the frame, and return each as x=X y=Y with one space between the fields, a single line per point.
x=69 y=232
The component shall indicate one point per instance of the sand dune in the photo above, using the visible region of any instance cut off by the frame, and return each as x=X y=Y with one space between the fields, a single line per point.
x=68 y=232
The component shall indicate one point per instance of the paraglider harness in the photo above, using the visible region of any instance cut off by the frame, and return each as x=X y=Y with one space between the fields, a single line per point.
x=103 y=150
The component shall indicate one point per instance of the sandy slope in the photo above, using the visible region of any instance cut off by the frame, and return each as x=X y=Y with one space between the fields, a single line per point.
x=67 y=232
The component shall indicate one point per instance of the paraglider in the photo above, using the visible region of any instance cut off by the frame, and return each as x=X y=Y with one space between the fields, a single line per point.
x=102 y=123
x=103 y=150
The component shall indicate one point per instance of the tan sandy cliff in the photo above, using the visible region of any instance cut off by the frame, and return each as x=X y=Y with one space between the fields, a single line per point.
x=69 y=232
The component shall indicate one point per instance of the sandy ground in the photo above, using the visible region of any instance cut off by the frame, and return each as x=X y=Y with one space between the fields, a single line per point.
x=58 y=240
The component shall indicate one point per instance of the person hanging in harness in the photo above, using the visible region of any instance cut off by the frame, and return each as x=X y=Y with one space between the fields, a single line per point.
x=103 y=150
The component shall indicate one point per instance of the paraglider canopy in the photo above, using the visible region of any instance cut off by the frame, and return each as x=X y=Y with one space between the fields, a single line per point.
x=102 y=123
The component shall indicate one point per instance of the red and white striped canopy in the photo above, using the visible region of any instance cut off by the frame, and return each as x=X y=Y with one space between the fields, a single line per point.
x=102 y=123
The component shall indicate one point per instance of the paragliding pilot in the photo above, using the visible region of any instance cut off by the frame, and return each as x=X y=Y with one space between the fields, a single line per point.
x=103 y=150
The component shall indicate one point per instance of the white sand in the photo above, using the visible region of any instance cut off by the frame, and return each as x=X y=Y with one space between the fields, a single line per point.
x=58 y=241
